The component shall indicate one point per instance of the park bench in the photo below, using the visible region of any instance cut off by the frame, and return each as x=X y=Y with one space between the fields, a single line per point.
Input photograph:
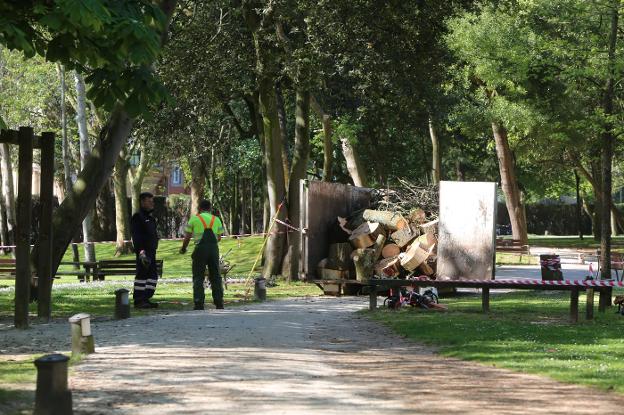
x=604 y=287
x=512 y=246
x=7 y=269
x=83 y=270
x=120 y=267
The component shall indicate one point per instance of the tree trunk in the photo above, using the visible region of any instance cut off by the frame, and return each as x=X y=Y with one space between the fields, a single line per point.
x=8 y=191
x=138 y=176
x=328 y=153
x=301 y=154
x=608 y=137
x=198 y=185
x=4 y=232
x=275 y=177
x=81 y=121
x=252 y=217
x=579 y=213
x=122 y=216
x=104 y=214
x=281 y=112
x=243 y=205
x=459 y=171
x=70 y=214
x=435 y=153
x=67 y=160
x=354 y=166
x=509 y=184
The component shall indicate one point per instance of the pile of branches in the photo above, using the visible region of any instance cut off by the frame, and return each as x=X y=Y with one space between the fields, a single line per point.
x=407 y=196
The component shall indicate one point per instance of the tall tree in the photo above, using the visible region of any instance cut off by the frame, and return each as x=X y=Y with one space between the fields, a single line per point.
x=81 y=121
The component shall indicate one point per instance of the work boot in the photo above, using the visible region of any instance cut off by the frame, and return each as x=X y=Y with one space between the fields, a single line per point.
x=219 y=305
x=198 y=306
x=144 y=305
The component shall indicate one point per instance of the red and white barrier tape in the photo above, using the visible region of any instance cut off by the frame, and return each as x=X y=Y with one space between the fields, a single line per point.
x=579 y=283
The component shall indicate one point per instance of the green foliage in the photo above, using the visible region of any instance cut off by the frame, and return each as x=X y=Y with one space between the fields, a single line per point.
x=114 y=43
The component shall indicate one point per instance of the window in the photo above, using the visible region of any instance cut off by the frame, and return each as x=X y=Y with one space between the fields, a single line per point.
x=176 y=176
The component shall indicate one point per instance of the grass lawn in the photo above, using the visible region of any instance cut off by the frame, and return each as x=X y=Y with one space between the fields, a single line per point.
x=524 y=331
x=573 y=242
x=242 y=255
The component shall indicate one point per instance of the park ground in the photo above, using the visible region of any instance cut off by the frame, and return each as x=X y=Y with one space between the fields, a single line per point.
x=526 y=332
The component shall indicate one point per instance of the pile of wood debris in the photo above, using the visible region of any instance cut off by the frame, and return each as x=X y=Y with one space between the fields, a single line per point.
x=394 y=240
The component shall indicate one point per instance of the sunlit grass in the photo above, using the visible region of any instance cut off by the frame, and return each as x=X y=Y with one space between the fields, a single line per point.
x=244 y=252
x=525 y=331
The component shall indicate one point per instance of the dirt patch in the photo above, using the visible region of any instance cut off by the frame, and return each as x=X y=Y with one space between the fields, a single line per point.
x=302 y=356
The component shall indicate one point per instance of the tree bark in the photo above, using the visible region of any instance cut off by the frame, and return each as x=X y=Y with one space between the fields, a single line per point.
x=608 y=137
x=509 y=184
x=122 y=215
x=435 y=153
x=252 y=217
x=198 y=185
x=354 y=165
x=4 y=231
x=579 y=203
x=281 y=112
x=138 y=176
x=260 y=25
x=301 y=154
x=8 y=191
x=81 y=121
x=98 y=168
x=328 y=153
x=67 y=159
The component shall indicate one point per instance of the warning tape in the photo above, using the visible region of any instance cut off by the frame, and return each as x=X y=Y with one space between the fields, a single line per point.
x=237 y=236
x=578 y=283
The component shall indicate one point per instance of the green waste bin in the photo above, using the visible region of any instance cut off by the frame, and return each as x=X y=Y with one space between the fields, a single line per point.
x=551 y=267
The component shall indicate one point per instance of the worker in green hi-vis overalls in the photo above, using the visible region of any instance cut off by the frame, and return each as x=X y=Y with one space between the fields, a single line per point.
x=206 y=230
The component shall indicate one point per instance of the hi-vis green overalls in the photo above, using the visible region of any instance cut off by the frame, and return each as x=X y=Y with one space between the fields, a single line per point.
x=206 y=254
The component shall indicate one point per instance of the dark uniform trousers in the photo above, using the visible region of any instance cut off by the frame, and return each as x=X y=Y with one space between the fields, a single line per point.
x=146 y=278
x=144 y=238
x=206 y=254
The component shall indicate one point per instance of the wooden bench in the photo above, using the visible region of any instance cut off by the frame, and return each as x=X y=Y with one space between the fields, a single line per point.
x=603 y=287
x=120 y=267
x=83 y=270
x=7 y=269
x=512 y=246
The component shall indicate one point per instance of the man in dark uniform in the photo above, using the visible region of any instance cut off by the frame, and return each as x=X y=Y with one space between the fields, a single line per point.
x=145 y=240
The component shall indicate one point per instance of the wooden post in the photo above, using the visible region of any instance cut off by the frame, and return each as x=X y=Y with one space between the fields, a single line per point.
x=52 y=396
x=81 y=338
x=22 y=251
x=589 y=306
x=485 y=299
x=44 y=261
x=604 y=299
x=574 y=300
x=373 y=297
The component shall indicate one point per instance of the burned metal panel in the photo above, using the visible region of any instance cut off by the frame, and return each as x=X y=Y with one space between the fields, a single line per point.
x=321 y=203
x=467 y=239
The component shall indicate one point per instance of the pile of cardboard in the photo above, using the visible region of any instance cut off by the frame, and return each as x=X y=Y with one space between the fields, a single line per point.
x=384 y=244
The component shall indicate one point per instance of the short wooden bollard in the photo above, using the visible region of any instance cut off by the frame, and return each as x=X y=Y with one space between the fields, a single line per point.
x=52 y=396
x=82 y=339
x=122 y=304
x=260 y=289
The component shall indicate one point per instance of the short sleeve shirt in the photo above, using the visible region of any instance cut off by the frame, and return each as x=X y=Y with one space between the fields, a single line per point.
x=196 y=227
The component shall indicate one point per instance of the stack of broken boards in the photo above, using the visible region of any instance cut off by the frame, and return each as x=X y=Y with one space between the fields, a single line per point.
x=384 y=244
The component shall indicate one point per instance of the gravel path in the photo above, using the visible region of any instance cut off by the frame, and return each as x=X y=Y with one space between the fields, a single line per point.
x=301 y=356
